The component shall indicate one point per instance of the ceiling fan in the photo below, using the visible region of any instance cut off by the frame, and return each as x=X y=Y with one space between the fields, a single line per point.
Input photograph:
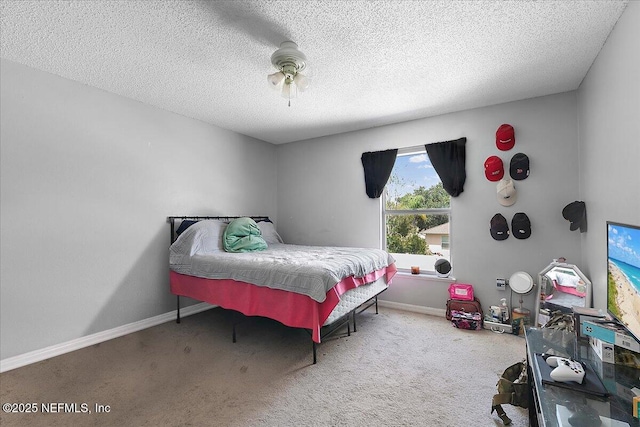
x=289 y=62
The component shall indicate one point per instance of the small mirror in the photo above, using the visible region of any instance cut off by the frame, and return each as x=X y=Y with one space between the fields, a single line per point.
x=561 y=287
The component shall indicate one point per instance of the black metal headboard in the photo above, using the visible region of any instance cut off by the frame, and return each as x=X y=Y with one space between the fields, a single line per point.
x=172 y=220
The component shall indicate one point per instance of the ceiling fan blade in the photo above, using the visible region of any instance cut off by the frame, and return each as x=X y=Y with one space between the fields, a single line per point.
x=240 y=16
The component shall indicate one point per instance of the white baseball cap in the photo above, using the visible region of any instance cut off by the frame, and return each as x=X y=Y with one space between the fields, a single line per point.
x=506 y=192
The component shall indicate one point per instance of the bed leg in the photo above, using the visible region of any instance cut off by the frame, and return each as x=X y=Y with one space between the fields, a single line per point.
x=348 y=328
x=178 y=309
x=233 y=323
x=376 y=304
x=355 y=327
x=315 y=359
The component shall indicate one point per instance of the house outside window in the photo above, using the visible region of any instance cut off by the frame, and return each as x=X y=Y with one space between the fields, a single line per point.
x=417 y=213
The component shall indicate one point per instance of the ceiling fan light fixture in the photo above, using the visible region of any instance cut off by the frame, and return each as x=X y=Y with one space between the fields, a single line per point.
x=289 y=91
x=301 y=81
x=289 y=61
x=275 y=79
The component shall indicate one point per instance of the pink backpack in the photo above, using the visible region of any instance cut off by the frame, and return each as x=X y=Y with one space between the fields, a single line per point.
x=461 y=291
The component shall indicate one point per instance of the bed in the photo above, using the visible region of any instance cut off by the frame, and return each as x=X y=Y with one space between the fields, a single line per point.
x=319 y=289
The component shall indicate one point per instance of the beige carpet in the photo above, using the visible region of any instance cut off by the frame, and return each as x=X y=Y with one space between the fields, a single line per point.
x=399 y=369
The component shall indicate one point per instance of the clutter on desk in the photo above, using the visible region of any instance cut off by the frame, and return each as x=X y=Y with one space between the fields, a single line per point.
x=582 y=314
x=612 y=333
x=580 y=416
x=560 y=320
x=591 y=383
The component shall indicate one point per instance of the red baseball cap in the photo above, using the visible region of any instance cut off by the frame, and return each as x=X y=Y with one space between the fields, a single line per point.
x=493 y=168
x=505 y=137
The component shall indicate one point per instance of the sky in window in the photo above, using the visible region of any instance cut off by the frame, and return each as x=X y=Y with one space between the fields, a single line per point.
x=413 y=171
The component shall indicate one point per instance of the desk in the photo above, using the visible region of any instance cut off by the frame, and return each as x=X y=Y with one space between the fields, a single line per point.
x=546 y=401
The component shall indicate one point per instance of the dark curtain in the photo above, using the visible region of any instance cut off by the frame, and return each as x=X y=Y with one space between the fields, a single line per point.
x=448 y=160
x=377 y=169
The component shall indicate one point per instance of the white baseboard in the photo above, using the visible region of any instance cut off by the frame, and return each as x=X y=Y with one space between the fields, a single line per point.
x=414 y=308
x=56 y=350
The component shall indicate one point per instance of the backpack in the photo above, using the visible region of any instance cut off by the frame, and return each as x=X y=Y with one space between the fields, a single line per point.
x=513 y=389
x=473 y=306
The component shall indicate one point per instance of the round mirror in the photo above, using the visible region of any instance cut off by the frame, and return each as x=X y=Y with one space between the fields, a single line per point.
x=521 y=282
x=443 y=267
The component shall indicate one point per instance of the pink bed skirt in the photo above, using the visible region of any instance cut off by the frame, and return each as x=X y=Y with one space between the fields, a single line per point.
x=289 y=308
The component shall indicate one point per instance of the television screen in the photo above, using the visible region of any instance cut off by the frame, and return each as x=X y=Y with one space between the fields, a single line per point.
x=623 y=275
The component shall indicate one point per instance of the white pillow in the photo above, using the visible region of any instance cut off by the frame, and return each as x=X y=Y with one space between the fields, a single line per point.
x=567 y=280
x=269 y=233
x=201 y=238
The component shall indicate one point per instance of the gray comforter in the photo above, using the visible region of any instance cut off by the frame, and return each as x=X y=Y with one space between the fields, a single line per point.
x=309 y=270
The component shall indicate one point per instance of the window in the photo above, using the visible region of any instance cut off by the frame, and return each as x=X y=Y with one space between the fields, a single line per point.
x=444 y=241
x=417 y=212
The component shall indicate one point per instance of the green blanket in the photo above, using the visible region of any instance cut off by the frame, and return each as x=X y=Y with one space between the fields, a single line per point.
x=243 y=235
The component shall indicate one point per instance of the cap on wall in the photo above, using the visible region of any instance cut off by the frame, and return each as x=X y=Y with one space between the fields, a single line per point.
x=519 y=166
x=505 y=137
x=521 y=226
x=493 y=168
x=576 y=213
x=506 y=192
x=499 y=228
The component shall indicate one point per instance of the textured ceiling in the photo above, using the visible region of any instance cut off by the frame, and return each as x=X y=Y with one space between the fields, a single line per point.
x=373 y=62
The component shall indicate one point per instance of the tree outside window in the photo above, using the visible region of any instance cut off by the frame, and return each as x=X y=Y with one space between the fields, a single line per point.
x=417 y=213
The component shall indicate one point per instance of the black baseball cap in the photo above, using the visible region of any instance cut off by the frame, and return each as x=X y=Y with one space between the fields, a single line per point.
x=576 y=213
x=499 y=227
x=521 y=226
x=519 y=166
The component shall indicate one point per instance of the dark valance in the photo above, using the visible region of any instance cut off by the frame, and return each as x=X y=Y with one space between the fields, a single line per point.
x=377 y=169
x=448 y=159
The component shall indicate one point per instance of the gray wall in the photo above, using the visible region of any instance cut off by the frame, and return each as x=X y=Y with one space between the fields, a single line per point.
x=88 y=179
x=322 y=200
x=609 y=126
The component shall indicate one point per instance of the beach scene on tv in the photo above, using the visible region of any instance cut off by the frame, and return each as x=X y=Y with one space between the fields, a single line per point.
x=624 y=275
